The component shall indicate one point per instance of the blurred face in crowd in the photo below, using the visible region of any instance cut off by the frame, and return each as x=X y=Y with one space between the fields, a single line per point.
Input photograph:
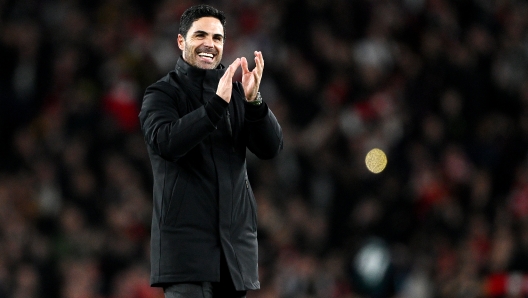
x=204 y=44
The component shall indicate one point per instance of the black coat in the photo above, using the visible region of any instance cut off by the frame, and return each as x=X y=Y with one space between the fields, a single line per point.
x=203 y=204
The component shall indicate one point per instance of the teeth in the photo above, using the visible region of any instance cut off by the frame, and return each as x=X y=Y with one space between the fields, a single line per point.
x=206 y=55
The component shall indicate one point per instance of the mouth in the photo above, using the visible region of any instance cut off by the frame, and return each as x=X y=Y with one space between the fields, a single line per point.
x=206 y=57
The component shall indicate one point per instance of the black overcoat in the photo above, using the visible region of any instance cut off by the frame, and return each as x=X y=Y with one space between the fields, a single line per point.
x=203 y=204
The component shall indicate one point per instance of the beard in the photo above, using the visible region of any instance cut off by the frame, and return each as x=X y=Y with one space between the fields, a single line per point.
x=191 y=57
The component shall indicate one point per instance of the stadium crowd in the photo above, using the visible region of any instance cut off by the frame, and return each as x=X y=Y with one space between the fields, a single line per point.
x=440 y=85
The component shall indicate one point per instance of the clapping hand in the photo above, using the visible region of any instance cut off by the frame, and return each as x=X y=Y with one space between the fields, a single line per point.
x=225 y=85
x=251 y=79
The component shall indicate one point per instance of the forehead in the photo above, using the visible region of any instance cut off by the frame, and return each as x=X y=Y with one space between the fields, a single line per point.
x=207 y=24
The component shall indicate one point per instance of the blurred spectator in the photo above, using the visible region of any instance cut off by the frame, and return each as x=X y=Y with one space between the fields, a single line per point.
x=441 y=86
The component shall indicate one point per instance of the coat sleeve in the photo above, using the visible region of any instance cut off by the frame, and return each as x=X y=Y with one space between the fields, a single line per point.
x=167 y=130
x=264 y=133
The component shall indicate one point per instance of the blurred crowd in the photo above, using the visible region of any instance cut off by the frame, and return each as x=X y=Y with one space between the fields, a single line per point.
x=440 y=85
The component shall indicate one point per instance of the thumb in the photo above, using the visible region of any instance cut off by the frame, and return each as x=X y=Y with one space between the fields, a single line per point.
x=244 y=64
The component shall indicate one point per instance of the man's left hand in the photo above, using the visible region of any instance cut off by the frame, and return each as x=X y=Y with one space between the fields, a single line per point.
x=251 y=79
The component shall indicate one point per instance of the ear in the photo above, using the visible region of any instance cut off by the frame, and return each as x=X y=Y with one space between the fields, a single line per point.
x=181 y=42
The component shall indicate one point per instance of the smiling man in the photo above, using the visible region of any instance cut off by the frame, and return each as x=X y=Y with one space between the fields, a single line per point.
x=197 y=125
x=202 y=44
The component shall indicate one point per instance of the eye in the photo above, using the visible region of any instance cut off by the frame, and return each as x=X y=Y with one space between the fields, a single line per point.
x=199 y=35
x=218 y=38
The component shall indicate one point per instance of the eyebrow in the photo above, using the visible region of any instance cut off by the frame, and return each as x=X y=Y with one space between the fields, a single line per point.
x=203 y=32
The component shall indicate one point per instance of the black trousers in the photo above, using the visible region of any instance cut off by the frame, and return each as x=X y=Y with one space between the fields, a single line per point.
x=205 y=289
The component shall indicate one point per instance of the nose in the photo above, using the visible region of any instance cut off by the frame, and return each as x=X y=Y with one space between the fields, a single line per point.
x=208 y=42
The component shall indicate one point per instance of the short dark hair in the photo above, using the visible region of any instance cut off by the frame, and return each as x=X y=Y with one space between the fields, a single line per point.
x=196 y=12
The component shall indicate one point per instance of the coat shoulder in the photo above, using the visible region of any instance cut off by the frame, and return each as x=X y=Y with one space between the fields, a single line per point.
x=163 y=85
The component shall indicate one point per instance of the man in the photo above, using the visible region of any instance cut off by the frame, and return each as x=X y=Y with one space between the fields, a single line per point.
x=197 y=125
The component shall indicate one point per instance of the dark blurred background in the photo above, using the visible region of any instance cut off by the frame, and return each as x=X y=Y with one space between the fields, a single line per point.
x=440 y=85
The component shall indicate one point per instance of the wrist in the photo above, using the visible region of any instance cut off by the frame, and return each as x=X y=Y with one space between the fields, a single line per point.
x=257 y=101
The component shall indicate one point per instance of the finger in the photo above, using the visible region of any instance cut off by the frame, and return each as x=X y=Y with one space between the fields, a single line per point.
x=235 y=65
x=259 y=61
x=230 y=71
x=259 y=58
x=244 y=63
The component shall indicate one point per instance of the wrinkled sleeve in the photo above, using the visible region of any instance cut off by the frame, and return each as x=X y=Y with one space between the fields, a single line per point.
x=264 y=133
x=171 y=132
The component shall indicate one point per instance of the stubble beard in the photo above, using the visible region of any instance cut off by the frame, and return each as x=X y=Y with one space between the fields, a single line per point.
x=193 y=59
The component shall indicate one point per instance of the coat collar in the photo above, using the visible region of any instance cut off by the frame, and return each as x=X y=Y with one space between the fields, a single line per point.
x=199 y=77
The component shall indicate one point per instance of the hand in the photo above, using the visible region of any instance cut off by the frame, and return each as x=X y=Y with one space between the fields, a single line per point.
x=225 y=85
x=251 y=79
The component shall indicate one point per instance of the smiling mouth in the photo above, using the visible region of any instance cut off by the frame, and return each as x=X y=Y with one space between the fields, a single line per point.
x=207 y=56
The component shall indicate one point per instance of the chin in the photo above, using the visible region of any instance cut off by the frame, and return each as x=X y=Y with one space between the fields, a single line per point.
x=206 y=65
x=211 y=66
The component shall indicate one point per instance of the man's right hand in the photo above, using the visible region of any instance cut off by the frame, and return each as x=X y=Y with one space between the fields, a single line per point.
x=225 y=85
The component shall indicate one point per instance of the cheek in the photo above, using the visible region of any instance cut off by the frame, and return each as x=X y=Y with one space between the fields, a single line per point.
x=189 y=49
x=220 y=49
